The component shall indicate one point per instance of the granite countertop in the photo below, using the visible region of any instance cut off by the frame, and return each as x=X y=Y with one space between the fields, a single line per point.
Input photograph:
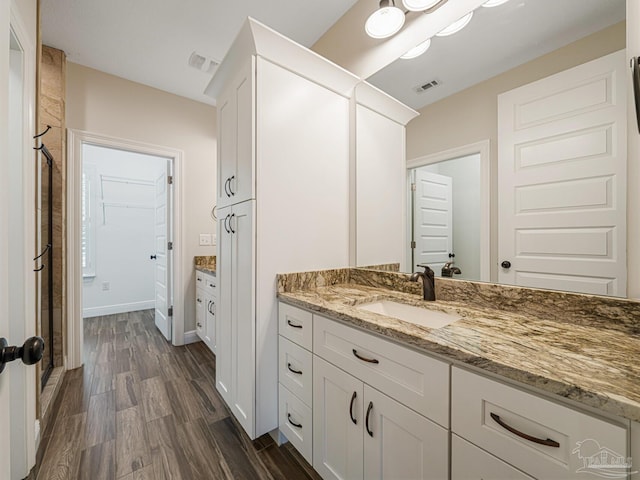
x=206 y=264
x=581 y=361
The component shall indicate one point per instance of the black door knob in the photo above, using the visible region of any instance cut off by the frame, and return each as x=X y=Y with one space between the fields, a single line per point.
x=153 y=257
x=30 y=352
x=506 y=264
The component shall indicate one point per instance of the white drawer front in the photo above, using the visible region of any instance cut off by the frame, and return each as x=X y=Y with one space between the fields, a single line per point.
x=295 y=324
x=469 y=462
x=296 y=423
x=295 y=369
x=210 y=284
x=415 y=380
x=479 y=405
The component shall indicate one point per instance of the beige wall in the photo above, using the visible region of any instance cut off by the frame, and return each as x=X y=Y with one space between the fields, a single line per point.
x=471 y=116
x=107 y=105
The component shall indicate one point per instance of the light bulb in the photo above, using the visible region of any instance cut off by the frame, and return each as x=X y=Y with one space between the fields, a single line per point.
x=384 y=22
x=419 y=5
x=494 y=3
x=456 y=26
x=417 y=50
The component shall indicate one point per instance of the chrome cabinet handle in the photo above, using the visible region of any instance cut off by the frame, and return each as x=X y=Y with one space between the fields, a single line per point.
x=548 y=442
x=366 y=422
x=297 y=425
x=370 y=360
x=353 y=399
x=297 y=372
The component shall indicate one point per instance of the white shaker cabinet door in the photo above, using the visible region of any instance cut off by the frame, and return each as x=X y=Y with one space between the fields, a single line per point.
x=338 y=418
x=223 y=323
x=243 y=314
x=401 y=444
x=236 y=134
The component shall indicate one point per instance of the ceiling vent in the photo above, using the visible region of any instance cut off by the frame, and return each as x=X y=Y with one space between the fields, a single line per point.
x=426 y=86
x=202 y=63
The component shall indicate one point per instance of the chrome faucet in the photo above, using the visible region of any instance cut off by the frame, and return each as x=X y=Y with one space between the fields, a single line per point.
x=428 y=282
x=448 y=270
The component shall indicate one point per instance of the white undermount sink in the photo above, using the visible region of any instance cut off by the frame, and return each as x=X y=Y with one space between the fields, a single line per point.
x=408 y=313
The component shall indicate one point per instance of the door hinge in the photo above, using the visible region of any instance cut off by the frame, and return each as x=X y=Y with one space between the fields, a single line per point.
x=413 y=187
x=170 y=246
x=413 y=244
x=170 y=312
x=170 y=179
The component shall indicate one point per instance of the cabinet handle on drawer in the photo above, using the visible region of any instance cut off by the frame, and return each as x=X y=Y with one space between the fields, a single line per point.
x=293 y=324
x=198 y=300
x=199 y=279
x=370 y=360
x=548 y=442
x=366 y=421
x=297 y=372
x=297 y=425
x=353 y=399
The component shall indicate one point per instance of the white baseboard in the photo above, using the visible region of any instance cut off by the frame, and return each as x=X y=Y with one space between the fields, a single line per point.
x=120 y=308
x=191 y=337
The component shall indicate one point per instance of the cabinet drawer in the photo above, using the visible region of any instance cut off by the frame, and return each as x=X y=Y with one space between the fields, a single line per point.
x=210 y=284
x=296 y=422
x=415 y=380
x=295 y=324
x=294 y=371
x=469 y=462
x=496 y=417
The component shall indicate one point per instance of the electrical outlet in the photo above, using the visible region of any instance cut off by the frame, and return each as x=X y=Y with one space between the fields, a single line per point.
x=106 y=286
x=205 y=239
x=214 y=239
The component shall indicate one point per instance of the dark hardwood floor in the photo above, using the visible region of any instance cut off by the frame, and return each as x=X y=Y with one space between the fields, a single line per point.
x=141 y=409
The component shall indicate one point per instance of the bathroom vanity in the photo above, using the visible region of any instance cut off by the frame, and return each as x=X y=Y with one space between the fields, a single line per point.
x=522 y=384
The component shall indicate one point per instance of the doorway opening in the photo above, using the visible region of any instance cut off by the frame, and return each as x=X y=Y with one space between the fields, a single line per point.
x=124 y=220
x=448 y=222
x=125 y=227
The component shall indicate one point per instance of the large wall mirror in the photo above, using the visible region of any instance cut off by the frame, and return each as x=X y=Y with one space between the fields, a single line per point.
x=454 y=147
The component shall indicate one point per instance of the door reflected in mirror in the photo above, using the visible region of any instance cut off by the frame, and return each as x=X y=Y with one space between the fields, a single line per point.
x=445 y=217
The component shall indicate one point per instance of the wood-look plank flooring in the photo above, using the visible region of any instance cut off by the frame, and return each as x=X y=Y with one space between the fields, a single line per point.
x=142 y=409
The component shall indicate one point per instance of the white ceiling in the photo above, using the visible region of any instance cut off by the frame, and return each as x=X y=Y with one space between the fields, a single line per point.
x=150 y=41
x=496 y=40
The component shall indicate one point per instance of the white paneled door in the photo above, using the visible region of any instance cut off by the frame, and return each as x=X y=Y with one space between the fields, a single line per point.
x=163 y=260
x=432 y=219
x=17 y=233
x=562 y=165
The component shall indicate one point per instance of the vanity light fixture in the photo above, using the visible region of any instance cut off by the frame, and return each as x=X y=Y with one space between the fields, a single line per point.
x=494 y=3
x=386 y=21
x=417 y=50
x=419 y=5
x=455 y=26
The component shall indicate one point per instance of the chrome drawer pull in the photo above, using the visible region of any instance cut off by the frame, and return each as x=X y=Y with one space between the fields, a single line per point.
x=297 y=372
x=293 y=324
x=297 y=425
x=548 y=442
x=370 y=360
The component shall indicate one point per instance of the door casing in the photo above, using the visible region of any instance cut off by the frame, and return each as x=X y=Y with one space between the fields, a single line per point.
x=75 y=140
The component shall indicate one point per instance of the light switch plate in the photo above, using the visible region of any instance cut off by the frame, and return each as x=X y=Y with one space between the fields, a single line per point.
x=214 y=239
x=205 y=239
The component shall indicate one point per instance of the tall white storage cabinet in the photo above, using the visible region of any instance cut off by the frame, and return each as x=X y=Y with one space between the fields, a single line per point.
x=283 y=193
